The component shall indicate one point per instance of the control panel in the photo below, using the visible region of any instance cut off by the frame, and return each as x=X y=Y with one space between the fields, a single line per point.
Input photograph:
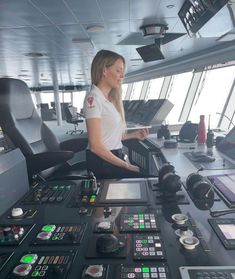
x=14 y=234
x=112 y=229
x=59 y=234
x=53 y=192
x=43 y=265
x=140 y=222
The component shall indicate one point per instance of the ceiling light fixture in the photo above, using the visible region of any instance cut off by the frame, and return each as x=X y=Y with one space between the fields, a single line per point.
x=24 y=75
x=83 y=43
x=156 y=30
x=95 y=28
x=136 y=59
x=35 y=54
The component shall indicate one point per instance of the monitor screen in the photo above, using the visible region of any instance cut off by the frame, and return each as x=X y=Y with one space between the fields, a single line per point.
x=122 y=191
x=150 y=53
x=228 y=230
x=228 y=181
x=224 y=184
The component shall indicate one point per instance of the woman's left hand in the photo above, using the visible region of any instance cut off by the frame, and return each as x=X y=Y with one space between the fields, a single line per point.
x=141 y=134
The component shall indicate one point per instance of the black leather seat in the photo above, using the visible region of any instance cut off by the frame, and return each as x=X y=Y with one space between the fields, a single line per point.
x=21 y=124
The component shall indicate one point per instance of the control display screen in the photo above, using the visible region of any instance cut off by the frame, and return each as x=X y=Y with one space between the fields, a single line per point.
x=225 y=186
x=225 y=230
x=228 y=230
x=124 y=191
x=120 y=191
x=229 y=181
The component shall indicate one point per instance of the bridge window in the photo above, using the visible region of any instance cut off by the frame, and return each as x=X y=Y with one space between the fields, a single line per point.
x=154 y=88
x=78 y=98
x=124 y=90
x=177 y=92
x=212 y=94
x=136 y=90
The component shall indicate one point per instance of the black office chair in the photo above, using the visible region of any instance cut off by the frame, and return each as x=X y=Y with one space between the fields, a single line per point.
x=21 y=124
x=46 y=113
x=72 y=118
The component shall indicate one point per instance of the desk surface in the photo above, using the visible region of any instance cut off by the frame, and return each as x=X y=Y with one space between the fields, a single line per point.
x=184 y=166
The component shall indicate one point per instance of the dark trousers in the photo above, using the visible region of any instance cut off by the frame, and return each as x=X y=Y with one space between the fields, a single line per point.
x=103 y=169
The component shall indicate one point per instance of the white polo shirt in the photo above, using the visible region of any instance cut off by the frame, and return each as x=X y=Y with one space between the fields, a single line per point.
x=97 y=106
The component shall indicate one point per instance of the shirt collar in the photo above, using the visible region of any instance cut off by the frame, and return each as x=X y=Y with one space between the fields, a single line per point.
x=99 y=92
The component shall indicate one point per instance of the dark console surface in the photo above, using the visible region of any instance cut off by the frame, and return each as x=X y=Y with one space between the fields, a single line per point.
x=121 y=230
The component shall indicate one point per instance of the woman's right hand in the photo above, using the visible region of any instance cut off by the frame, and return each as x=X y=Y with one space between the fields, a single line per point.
x=132 y=167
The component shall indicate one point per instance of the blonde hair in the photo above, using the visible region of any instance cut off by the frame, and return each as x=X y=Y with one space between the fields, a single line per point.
x=106 y=58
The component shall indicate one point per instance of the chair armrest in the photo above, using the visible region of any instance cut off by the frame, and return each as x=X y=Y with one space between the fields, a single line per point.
x=75 y=144
x=42 y=161
x=80 y=115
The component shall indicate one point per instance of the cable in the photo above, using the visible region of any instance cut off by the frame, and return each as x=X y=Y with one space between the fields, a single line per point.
x=221 y=212
x=202 y=169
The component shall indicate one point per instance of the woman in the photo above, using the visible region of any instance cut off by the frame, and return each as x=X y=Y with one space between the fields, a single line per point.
x=103 y=110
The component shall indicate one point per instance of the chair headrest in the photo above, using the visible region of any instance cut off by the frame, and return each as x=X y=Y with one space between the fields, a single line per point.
x=15 y=97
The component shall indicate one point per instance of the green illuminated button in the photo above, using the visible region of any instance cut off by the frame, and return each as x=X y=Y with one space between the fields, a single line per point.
x=48 y=228
x=145 y=269
x=141 y=215
x=144 y=241
x=55 y=237
x=42 y=273
x=141 y=226
x=93 y=196
x=29 y=258
x=35 y=274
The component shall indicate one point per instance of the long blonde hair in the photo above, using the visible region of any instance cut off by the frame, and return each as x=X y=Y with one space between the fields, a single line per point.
x=106 y=58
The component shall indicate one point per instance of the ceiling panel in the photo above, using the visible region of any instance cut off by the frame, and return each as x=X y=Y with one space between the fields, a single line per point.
x=113 y=10
x=144 y=9
x=51 y=34
x=49 y=27
x=20 y=13
x=74 y=31
x=55 y=10
x=85 y=10
x=169 y=8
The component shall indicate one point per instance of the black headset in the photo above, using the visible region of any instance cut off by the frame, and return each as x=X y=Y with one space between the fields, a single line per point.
x=169 y=182
x=199 y=187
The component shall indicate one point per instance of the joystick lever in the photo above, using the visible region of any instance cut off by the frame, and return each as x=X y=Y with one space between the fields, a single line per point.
x=93 y=178
x=107 y=211
x=89 y=186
